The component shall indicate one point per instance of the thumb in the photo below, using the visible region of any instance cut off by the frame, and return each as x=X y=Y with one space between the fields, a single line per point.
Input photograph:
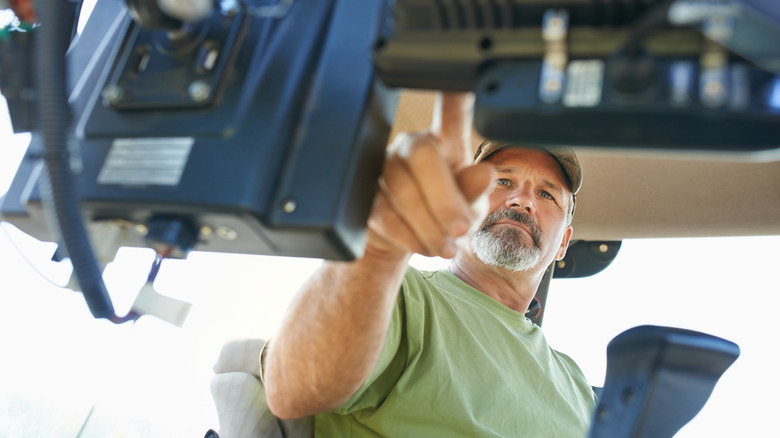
x=453 y=115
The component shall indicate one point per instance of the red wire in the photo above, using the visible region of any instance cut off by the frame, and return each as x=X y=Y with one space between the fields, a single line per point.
x=24 y=11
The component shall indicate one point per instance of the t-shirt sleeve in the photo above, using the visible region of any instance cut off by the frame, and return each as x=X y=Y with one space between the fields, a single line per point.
x=389 y=366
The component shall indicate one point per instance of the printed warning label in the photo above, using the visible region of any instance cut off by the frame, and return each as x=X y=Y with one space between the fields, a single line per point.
x=584 y=81
x=146 y=161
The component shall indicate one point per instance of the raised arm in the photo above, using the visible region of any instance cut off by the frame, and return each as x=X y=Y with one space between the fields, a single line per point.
x=334 y=329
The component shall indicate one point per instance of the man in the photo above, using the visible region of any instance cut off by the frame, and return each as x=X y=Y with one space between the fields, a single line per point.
x=451 y=354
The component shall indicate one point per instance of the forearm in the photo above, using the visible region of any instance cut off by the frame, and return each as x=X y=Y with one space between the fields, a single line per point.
x=332 y=334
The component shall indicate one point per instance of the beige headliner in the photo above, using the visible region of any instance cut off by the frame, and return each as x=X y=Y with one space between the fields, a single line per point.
x=629 y=194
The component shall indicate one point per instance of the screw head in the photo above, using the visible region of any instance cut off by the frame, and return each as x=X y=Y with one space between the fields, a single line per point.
x=227 y=233
x=602 y=413
x=714 y=88
x=289 y=205
x=629 y=395
x=552 y=85
x=113 y=93
x=199 y=91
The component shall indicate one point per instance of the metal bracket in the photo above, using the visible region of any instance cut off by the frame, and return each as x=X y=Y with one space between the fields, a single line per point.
x=184 y=70
x=555 y=26
x=714 y=61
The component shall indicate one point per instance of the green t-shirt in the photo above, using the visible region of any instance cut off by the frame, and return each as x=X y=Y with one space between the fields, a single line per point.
x=457 y=363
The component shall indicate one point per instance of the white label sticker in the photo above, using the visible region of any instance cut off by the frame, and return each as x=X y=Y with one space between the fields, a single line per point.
x=584 y=80
x=146 y=161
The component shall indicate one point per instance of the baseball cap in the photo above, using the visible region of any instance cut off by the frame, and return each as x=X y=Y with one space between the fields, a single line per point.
x=566 y=157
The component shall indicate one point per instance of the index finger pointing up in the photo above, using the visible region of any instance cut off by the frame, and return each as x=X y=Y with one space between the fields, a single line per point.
x=453 y=115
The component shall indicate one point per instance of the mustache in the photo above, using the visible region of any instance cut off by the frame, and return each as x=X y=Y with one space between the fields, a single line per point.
x=517 y=216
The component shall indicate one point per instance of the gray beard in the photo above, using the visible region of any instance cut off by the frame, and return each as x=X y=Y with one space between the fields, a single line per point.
x=505 y=247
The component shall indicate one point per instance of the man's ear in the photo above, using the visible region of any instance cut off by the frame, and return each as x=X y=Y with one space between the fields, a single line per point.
x=564 y=243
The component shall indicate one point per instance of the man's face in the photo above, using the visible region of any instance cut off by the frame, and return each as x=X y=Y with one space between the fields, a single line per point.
x=527 y=226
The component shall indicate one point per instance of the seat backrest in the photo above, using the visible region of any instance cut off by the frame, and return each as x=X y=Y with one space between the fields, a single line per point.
x=658 y=379
x=239 y=396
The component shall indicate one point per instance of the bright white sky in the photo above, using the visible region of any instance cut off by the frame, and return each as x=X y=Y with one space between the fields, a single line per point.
x=151 y=379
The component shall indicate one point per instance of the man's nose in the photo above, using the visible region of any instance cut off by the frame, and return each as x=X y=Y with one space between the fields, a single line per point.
x=521 y=197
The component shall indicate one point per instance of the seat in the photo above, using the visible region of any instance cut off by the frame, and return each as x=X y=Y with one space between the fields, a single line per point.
x=239 y=397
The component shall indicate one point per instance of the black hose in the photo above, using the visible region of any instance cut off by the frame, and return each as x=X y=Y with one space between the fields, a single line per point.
x=56 y=19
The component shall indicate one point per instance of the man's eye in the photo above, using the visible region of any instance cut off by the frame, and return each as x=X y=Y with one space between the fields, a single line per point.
x=503 y=182
x=547 y=195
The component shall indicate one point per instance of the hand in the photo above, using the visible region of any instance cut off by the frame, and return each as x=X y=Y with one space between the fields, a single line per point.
x=429 y=185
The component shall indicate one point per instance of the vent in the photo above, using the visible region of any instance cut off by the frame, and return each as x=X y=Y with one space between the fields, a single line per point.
x=437 y=15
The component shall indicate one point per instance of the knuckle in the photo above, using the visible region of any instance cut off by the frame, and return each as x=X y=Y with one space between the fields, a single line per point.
x=452 y=211
x=427 y=253
x=424 y=152
x=403 y=191
x=438 y=242
x=391 y=164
